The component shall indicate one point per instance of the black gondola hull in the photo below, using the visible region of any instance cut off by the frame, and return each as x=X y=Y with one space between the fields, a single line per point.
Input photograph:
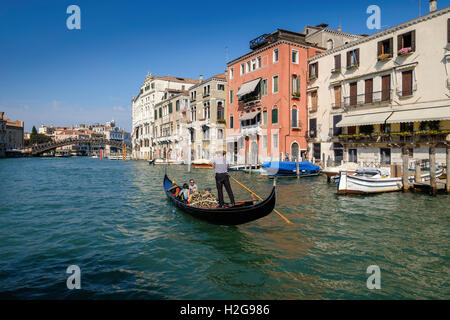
x=239 y=214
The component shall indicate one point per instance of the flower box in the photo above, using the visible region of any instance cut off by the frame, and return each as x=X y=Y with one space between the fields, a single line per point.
x=312 y=78
x=296 y=95
x=336 y=70
x=404 y=51
x=355 y=66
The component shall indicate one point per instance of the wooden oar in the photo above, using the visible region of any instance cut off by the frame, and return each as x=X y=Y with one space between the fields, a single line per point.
x=276 y=211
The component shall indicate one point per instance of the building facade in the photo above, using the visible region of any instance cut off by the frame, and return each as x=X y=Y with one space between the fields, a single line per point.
x=266 y=100
x=206 y=117
x=328 y=38
x=151 y=92
x=2 y=136
x=14 y=134
x=380 y=95
x=170 y=136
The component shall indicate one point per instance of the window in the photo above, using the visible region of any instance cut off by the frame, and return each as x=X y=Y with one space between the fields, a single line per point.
x=160 y=112
x=275 y=84
x=352 y=58
x=406 y=127
x=294 y=56
x=253 y=64
x=170 y=108
x=153 y=86
x=221 y=87
x=406 y=43
x=259 y=62
x=156 y=114
x=407 y=84
x=193 y=95
x=231 y=73
x=337 y=96
x=177 y=105
x=313 y=98
x=274 y=116
x=313 y=128
x=448 y=30
x=219 y=134
x=265 y=117
x=353 y=93
x=275 y=55
x=353 y=155
x=231 y=123
x=386 y=88
x=330 y=44
x=368 y=92
x=337 y=63
x=248 y=66
x=385 y=155
x=385 y=128
x=296 y=86
x=294 y=118
x=231 y=96
x=220 y=111
x=385 y=49
x=242 y=68
x=316 y=151
x=313 y=71
x=264 y=87
x=275 y=141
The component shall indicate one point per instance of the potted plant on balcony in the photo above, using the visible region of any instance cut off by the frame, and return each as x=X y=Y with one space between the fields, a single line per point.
x=312 y=78
x=221 y=121
x=338 y=70
x=296 y=95
x=353 y=66
x=404 y=51
x=384 y=57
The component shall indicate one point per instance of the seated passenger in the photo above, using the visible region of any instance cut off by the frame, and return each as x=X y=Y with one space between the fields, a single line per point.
x=192 y=186
x=175 y=188
x=184 y=193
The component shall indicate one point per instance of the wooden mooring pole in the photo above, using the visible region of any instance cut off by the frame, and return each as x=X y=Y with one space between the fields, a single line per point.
x=405 y=172
x=433 y=171
x=418 y=173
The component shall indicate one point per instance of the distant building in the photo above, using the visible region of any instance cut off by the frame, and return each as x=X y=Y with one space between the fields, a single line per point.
x=2 y=136
x=14 y=134
x=328 y=38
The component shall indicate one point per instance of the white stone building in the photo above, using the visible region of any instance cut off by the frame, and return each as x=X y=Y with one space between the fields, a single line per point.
x=151 y=92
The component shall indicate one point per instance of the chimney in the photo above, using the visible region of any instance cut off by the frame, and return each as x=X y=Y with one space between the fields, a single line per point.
x=433 y=5
x=201 y=78
x=339 y=28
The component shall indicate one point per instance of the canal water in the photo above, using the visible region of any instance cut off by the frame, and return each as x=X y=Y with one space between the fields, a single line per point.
x=112 y=220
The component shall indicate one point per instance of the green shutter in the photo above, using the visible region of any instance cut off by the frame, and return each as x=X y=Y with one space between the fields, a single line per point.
x=274 y=115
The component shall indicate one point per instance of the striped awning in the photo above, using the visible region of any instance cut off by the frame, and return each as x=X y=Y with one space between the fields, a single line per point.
x=249 y=115
x=363 y=119
x=420 y=114
x=248 y=87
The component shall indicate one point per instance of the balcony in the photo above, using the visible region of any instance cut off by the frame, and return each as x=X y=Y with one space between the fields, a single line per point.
x=204 y=122
x=206 y=94
x=384 y=96
x=249 y=103
x=254 y=129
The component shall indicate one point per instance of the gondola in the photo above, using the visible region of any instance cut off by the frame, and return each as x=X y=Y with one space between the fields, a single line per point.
x=241 y=213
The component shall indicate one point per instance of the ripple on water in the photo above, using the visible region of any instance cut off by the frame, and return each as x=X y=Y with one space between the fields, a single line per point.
x=113 y=220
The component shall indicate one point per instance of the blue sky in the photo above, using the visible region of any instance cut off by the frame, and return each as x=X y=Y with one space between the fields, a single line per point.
x=55 y=76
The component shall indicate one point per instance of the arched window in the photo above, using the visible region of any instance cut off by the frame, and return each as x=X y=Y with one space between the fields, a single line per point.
x=330 y=44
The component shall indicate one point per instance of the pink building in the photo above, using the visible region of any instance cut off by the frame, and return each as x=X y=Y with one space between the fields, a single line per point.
x=266 y=112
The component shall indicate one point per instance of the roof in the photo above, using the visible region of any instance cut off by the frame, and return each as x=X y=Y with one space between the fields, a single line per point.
x=170 y=78
x=10 y=123
x=323 y=27
x=220 y=77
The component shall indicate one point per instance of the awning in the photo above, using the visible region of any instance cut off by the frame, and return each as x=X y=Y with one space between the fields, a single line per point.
x=248 y=87
x=363 y=119
x=421 y=114
x=249 y=115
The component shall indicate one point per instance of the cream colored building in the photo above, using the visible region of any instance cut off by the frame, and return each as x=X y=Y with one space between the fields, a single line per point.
x=206 y=117
x=170 y=136
x=151 y=92
x=328 y=38
x=372 y=97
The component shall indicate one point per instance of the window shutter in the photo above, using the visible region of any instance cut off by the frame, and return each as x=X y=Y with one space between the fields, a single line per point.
x=317 y=69
x=413 y=40
x=309 y=70
x=380 y=49
x=399 y=43
x=337 y=61
x=391 y=46
x=348 y=59
x=357 y=56
x=407 y=83
x=448 y=30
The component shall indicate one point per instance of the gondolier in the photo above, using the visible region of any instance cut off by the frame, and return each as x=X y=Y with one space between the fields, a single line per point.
x=222 y=178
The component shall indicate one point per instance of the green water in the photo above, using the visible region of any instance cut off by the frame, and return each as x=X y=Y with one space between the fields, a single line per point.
x=112 y=220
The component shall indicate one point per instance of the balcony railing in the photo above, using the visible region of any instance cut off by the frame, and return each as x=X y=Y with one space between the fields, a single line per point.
x=368 y=98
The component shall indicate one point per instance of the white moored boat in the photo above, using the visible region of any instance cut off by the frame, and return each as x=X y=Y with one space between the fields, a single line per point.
x=363 y=182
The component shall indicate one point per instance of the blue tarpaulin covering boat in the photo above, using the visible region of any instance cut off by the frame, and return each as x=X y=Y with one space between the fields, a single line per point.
x=287 y=168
